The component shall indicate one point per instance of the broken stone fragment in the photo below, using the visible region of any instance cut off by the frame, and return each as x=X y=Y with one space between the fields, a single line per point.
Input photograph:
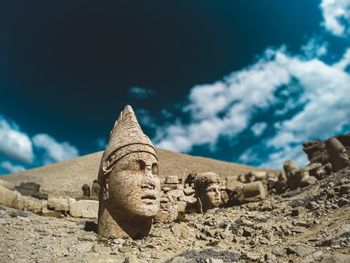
x=10 y=198
x=59 y=204
x=7 y=185
x=338 y=155
x=181 y=206
x=172 y=180
x=188 y=199
x=83 y=208
x=14 y=199
x=175 y=194
x=189 y=191
x=166 y=189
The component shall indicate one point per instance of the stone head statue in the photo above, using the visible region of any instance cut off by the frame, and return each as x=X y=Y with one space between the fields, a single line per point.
x=338 y=155
x=129 y=195
x=207 y=187
x=86 y=190
x=95 y=188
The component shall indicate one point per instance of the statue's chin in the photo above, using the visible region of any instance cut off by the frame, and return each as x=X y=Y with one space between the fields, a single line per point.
x=146 y=210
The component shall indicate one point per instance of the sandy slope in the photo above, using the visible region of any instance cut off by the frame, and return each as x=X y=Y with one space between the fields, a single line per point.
x=66 y=178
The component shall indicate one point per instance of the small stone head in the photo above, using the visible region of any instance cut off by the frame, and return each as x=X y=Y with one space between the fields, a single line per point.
x=207 y=187
x=338 y=155
x=86 y=190
x=130 y=186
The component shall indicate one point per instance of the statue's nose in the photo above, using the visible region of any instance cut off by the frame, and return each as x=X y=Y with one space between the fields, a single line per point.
x=149 y=180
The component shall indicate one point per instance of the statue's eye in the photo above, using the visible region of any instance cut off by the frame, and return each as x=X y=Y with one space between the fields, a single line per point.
x=155 y=169
x=141 y=164
x=136 y=166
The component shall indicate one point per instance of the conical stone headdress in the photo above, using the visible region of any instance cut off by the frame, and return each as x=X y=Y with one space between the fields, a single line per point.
x=126 y=137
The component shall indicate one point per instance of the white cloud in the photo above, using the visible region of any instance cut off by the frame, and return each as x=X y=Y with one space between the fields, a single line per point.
x=336 y=15
x=314 y=48
x=258 y=128
x=14 y=143
x=145 y=117
x=53 y=150
x=227 y=107
x=277 y=158
x=11 y=167
x=141 y=93
x=344 y=62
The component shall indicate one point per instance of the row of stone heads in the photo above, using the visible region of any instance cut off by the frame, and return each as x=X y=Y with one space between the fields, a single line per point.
x=203 y=192
x=325 y=157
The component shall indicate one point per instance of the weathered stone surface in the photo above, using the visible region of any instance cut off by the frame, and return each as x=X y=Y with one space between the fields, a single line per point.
x=84 y=247
x=33 y=204
x=254 y=190
x=166 y=189
x=176 y=193
x=59 y=204
x=338 y=155
x=335 y=258
x=7 y=185
x=181 y=206
x=132 y=259
x=189 y=191
x=188 y=199
x=172 y=180
x=10 y=198
x=129 y=184
x=162 y=217
x=83 y=208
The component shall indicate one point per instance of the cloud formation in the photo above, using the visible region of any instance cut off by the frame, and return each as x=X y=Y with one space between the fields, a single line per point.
x=225 y=107
x=11 y=168
x=258 y=128
x=54 y=151
x=15 y=143
x=336 y=15
x=41 y=149
x=228 y=107
x=140 y=93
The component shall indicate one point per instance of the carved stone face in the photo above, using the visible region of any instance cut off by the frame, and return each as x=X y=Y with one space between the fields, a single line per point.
x=134 y=185
x=207 y=187
x=212 y=196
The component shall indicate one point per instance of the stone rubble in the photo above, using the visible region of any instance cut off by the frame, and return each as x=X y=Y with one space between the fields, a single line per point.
x=311 y=225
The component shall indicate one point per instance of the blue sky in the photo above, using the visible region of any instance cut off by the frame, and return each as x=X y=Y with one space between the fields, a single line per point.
x=241 y=81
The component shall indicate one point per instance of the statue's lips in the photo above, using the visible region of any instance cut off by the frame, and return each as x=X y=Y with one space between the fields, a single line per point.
x=149 y=198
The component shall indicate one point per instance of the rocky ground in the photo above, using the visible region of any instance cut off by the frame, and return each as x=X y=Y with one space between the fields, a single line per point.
x=305 y=225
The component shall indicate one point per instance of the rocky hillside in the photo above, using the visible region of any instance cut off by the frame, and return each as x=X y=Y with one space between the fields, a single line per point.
x=306 y=225
x=66 y=178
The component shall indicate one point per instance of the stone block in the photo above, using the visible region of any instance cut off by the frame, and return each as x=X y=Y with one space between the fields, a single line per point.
x=7 y=185
x=189 y=191
x=10 y=198
x=83 y=208
x=59 y=204
x=176 y=193
x=188 y=199
x=181 y=206
x=33 y=205
x=166 y=189
x=172 y=180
